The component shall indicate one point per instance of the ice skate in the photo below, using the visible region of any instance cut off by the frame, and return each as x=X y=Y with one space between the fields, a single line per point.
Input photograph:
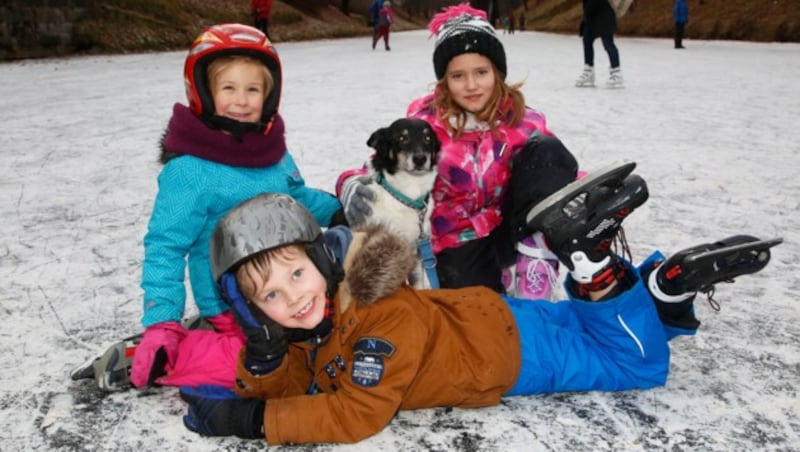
x=111 y=369
x=579 y=221
x=697 y=269
x=615 y=79
x=586 y=79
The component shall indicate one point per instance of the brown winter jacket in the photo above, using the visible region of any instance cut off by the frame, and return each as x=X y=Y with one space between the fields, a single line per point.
x=391 y=348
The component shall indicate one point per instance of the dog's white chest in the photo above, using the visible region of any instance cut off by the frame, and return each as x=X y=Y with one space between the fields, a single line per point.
x=409 y=222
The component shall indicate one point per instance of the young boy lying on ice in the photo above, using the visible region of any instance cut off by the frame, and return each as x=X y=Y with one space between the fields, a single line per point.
x=337 y=343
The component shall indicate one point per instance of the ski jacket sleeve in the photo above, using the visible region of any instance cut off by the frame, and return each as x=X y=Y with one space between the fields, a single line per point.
x=347 y=174
x=321 y=204
x=175 y=224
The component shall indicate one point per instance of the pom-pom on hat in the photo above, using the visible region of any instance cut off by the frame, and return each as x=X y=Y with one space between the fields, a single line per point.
x=463 y=29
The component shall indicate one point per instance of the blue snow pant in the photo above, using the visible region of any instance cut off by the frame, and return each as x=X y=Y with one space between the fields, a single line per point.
x=578 y=345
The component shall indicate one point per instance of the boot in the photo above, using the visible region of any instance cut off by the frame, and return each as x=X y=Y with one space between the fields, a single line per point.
x=535 y=273
x=580 y=221
x=674 y=282
x=698 y=268
x=615 y=78
x=586 y=79
x=111 y=369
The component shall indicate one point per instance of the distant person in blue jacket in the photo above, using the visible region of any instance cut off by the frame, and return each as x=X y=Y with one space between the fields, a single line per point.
x=374 y=16
x=680 y=14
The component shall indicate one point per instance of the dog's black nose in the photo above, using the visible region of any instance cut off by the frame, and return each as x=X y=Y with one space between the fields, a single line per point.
x=420 y=160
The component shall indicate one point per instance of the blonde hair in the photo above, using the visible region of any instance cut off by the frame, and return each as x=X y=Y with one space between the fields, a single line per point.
x=221 y=64
x=494 y=111
x=256 y=271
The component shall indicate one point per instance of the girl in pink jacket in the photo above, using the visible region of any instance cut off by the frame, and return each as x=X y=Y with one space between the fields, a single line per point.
x=383 y=25
x=498 y=159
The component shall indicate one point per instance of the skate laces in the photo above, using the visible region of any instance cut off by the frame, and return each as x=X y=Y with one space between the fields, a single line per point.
x=709 y=293
x=620 y=245
x=540 y=267
x=537 y=280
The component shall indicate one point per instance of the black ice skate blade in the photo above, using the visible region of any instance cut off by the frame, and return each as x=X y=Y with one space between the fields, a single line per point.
x=732 y=261
x=84 y=371
x=555 y=204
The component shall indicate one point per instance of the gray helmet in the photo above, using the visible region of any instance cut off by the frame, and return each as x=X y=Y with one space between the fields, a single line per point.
x=263 y=222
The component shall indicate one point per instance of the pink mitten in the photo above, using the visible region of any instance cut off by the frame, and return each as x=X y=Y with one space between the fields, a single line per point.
x=205 y=358
x=149 y=361
x=225 y=324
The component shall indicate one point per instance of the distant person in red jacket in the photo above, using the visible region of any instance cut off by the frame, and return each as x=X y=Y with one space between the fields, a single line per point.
x=260 y=10
x=385 y=21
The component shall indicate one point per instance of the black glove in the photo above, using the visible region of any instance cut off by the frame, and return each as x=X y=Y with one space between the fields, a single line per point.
x=218 y=411
x=267 y=342
x=355 y=198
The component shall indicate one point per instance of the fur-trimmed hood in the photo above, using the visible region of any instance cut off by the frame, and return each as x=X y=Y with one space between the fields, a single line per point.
x=377 y=263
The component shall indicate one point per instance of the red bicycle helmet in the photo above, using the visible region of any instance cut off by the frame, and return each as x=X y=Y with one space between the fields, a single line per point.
x=226 y=40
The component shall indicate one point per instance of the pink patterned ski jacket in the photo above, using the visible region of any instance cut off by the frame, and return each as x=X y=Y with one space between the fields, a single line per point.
x=474 y=171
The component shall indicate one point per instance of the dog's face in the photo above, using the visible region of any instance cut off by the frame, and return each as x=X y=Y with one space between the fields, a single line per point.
x=408 y=145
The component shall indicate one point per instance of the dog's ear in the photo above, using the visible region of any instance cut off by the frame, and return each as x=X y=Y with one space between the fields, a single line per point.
x=379 y=139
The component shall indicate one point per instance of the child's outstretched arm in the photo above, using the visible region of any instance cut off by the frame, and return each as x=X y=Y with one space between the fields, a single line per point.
x=322 y=205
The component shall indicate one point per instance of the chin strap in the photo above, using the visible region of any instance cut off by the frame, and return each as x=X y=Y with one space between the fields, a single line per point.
x=236 y=128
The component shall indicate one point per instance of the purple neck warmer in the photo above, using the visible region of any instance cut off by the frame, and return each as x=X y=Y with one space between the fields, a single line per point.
x=187 y=134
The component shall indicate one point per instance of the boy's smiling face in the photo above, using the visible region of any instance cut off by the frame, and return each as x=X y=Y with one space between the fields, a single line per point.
x=294 y=294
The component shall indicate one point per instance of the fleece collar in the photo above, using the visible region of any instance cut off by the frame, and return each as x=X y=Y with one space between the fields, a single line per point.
x=187 y=135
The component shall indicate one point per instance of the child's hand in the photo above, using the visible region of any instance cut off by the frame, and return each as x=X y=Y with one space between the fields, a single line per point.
x=266 y=345
x=267 y=342
x=356 y=198
x=157 y=351
x=218 y=411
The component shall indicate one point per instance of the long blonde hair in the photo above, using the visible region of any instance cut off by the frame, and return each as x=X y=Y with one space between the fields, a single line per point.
x=505 y=99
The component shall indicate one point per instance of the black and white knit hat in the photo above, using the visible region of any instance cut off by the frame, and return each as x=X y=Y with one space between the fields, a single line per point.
x=463 y=29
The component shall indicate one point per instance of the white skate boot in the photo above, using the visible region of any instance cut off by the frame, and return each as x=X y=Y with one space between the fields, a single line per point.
x=615 y=78
x=586 y=78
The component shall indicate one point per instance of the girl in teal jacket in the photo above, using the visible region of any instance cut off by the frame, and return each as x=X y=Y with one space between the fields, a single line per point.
x=227 y=146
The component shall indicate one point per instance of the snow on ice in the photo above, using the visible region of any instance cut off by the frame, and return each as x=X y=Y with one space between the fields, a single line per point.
x=714 y=129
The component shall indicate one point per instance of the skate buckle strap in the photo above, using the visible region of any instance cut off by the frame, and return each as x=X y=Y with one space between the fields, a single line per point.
x=584 y=270
x=616 y=272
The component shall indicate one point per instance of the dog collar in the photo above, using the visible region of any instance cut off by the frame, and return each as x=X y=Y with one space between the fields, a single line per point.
x=416 y=204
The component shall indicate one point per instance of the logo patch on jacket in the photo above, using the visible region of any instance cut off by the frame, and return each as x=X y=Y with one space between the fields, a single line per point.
x=368 y=355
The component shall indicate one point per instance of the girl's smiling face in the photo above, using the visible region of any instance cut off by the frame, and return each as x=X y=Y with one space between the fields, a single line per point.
x=239 y=91
x=471 y=80
x=294 y=293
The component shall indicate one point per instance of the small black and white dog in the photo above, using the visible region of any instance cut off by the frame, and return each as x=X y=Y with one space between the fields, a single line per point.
x=404 y=169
